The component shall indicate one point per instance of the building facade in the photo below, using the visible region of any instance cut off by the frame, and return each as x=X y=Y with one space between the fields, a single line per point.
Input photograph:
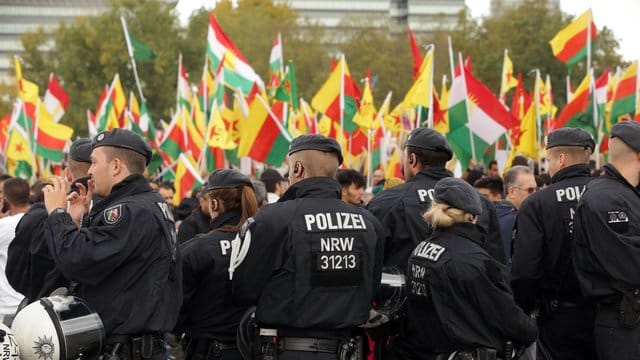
x=498 y=6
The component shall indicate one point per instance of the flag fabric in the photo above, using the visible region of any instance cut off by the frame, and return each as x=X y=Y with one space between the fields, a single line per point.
x=27 y=90
x=525 y=137
x=570 y=44
x=237 y=71
x=137 y=49
x=508 y=80
x=19 y=155
x=288 y=89
x=276 y=63
x=625 y=96
x=366 y=115
x=5 y=122
x=187 y=178
x=119 y=99
x=183 y=87
x=264 y=138
x=415 y=52
x=56 y=100
x=339 y=97
x=475 y=114
x=217 y=135
x=441 y=118
x=521 y=100
x=105 y=115
x=393 y=167
x=575 y=113
x=50 y=136
x=421 y=91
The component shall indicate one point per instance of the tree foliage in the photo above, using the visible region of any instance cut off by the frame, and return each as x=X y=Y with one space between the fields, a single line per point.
x=86 y=54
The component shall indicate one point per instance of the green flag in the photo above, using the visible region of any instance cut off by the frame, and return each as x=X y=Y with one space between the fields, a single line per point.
x=288 y=90
x=141 y=52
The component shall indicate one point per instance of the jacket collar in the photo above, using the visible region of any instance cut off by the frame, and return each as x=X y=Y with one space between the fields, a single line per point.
x=435 y=173
x=231 y=217
x=578 y=170
x=468 y=231
x=131 y=185
x=315 y=187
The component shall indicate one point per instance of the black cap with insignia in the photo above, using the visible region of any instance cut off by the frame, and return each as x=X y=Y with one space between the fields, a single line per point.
x=429 y=139
x=570 y=137
x=227 y=179
x=81 y=150
x=125 y=139
x=316 y=142
x=629 y=132
x=458 y=194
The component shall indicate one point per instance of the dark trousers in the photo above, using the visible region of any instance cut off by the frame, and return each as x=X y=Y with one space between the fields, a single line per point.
x=305 y=355
x=612 y=340
x=568 y=333
x=204 y=349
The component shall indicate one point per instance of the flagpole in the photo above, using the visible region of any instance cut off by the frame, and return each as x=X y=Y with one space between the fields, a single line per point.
x=536 y=98
x=592 y=86
x=342 y=94
x=178 y=82
x=206 y=86
x=273 y=117
x=433 y=64
x=550 y=102
x=451 y=66
x=466 y=104
x=133 y=61
x=569 y=95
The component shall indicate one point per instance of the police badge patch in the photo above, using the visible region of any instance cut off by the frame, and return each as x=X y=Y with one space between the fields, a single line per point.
x=113 y=214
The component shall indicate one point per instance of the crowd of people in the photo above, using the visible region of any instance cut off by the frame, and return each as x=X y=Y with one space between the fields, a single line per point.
x=497 y=265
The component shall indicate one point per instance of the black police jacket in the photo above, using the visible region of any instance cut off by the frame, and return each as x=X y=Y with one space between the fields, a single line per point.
x=30 y=269
x=608 y=236
x=196 y=223
x=541 y=263
x=314 y=263
x=459 y=298
x=126 y=261
x=208 y=310
x=400 y=211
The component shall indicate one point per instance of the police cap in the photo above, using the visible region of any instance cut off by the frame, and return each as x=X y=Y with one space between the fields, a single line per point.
x=81 y=150
x=227 y=179
x=570 y=137
x=458 y=194
x=125 y=139
x=316 y=142
x=629 y=132
x=429 y=139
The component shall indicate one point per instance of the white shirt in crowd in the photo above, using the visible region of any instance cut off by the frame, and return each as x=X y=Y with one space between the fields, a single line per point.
x=9 y=298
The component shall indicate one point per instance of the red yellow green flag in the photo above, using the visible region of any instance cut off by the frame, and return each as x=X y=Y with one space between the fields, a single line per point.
x=187 y=177
x=570 y=44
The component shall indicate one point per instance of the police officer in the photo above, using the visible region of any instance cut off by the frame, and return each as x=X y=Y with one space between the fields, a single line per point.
x=400 y=208
x=124 y=259
x=209 y=316
x=542 y=275
x=310 y=262
x=30 y=268
x=606 y=253
x=459 y=299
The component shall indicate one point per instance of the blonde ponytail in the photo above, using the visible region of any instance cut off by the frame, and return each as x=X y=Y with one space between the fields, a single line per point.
x=444 y=216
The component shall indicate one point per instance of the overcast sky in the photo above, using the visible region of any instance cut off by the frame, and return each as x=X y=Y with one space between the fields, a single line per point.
x=622 y=16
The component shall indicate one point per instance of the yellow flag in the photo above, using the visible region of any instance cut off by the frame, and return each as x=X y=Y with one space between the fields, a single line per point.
x=508 y=80
x=525 y=141
x=27 y=91
x=217 y=134
x=442 y=125
x=365 y=117
x=119 y=99
x=19 y=148
x=422 y=89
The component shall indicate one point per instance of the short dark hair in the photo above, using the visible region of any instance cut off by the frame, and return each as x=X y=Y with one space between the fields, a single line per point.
x=134 y=161
x=271 y=178
x=17 y=191
x=4 y=177
x=472 y=176
x=492 y=162
x=346 y=177
x=166 y=185
x=519 y=160
x=493 y=183
x=429 y=157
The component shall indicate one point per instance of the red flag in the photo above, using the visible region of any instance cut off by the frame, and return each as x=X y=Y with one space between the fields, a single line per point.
x=415 y=51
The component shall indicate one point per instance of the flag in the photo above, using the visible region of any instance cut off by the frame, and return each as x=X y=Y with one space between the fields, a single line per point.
x=27 y=90
x=508 y=81
x=119 y=99
x=237 y=71
x=288 y=90
x=575 y=113
x=19 y=155
x=415 y=51
x=50 y=137
x=187 y=178
x=393 y=167
x=56 y=100
x=421 y=91
x=521 y=100
x=264 y=138
x=366 y=115
x=183 y=87
x=276 y=63
x=105 y=115
x=525 y=137
x=92 y=124
x=217 y=135
x=625 y=96
x=441 y=118
x=339 y=96
x=570 y=44
x=136 y=48
x=475 y=114
x=5 y=122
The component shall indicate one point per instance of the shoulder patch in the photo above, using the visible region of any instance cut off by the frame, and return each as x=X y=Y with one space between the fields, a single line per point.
x=247 y=224
x=113 y=214
x=614 y=217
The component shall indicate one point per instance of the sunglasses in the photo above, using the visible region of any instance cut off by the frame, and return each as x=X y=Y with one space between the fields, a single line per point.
x=530 y=190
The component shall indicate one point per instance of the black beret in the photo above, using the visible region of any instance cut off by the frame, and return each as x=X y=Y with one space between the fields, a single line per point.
x=125 y=139
x=81 y=150
x=316 y=142
x=570 y=137
x=227 y=179
x=429 y=139
x=629 y=132
x=458 y=194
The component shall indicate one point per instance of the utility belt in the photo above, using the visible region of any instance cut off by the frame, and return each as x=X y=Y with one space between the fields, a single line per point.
x=271 y=345
x=134 y=347
x=476 y=354
x=629 y=308
x=207 y=348
x=551 y=304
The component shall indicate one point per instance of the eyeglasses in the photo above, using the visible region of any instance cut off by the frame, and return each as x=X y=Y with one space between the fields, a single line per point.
x=530 y=190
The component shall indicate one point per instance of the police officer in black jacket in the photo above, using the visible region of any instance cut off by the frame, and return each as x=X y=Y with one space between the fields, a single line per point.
x=30 y=269
x=459 y=304
x=124 y=258
x=400 y=208
x=310 y=262
x=606 y=254
x=542 y=275
x=209 y=316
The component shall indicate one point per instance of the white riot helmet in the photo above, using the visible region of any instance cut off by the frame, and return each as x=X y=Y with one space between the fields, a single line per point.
x=58 y=328
x=9 y=349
